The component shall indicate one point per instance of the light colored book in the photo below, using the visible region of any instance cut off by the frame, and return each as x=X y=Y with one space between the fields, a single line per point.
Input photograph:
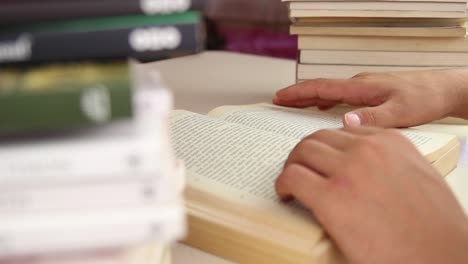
x=40 y=233
x=384 y=58
x=381 y=21
x=147 y=253
x=62 y=198
x=233 y=157
x=379 y=43
x=433 y=32
x=403 y=1
x=294 y=13
x=379 y=5
x=315 y=71
x=377 y=9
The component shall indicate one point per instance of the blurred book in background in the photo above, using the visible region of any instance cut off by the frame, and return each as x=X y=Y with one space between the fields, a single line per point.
x=339 y=40
x=86 y=93
x=138 y=254
x=101 y=186
x=255 y=27
x=142 y=37
x=26 y=11
x=87 y=171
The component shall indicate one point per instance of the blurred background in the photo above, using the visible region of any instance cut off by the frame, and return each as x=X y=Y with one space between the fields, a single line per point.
x=87 y=170
x=256 y=27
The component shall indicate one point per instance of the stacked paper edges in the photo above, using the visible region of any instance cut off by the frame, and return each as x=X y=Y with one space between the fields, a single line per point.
x=339 y=39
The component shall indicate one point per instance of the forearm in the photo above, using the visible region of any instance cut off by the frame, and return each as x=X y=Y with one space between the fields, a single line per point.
x=458 y=80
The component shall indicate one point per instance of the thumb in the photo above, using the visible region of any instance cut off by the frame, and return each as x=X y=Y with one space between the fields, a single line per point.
x=378 y=116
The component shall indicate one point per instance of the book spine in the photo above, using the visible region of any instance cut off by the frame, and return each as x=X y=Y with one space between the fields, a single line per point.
x=33 y=11
x=83 y=161
x=143 y=253
x=45 y=234
x=88 y=196
x=85 y=104
x=142 y=43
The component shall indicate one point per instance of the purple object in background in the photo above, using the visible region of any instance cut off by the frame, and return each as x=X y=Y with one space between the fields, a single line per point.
x=260 y=42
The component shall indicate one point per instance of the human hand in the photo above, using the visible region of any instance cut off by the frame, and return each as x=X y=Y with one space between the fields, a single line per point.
x=377 y=197
x=393 y=99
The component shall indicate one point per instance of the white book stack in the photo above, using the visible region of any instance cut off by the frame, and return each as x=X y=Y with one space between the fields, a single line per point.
x=104 y=194
x=339 y=39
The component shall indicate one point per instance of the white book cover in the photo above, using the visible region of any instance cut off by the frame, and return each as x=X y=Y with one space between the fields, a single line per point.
x=147 y=253
x=130 y=193
x=45 y=233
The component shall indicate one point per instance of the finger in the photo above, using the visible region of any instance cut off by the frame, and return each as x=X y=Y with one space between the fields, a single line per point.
x=306 y=103
x=316 y=156
x=386 y=116
x=355 y=91
x=336 y=138
x=297 y=181
x=327 y=89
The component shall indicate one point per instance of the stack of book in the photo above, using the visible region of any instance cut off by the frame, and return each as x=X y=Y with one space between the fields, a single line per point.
x=341 y=39
x=94 y=31
x=87 y=173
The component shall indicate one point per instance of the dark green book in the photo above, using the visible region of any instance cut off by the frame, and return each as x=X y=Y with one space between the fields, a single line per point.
x=63 y=96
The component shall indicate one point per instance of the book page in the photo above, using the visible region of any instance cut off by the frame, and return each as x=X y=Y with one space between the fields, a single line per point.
x=243 y=159
x=299 y=123
x=290 y=122
x=237 y=166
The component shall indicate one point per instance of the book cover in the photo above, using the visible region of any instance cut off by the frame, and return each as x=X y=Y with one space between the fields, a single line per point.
x=27 y=11
x=30 y=234
x=123 y=149
x=141 y=253
x=141 y=37
x=63 y=96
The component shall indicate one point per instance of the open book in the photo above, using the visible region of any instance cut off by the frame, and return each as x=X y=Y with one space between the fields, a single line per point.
x=233 y=157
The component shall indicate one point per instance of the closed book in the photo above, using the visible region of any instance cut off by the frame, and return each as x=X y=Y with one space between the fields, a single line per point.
x=377 y=9
x=315 y=71
x=379 y=43
x=296 y=13
x=63 y=96
x=141 y=253
x=47 y=233
x=380 y=21
x=122 y=149
x=27 y=11
x=141 y=37
x=387 y=58
x=379 y=5
x=154 y=190
x=433 y=32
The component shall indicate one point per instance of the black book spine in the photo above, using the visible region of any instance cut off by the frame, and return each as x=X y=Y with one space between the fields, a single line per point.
x=27 y=11
x=144 y=44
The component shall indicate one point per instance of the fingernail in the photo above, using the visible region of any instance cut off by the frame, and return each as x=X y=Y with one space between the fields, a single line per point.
x=353 y=119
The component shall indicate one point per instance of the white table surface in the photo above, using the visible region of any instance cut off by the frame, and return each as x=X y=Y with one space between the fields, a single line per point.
x=212 y=79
